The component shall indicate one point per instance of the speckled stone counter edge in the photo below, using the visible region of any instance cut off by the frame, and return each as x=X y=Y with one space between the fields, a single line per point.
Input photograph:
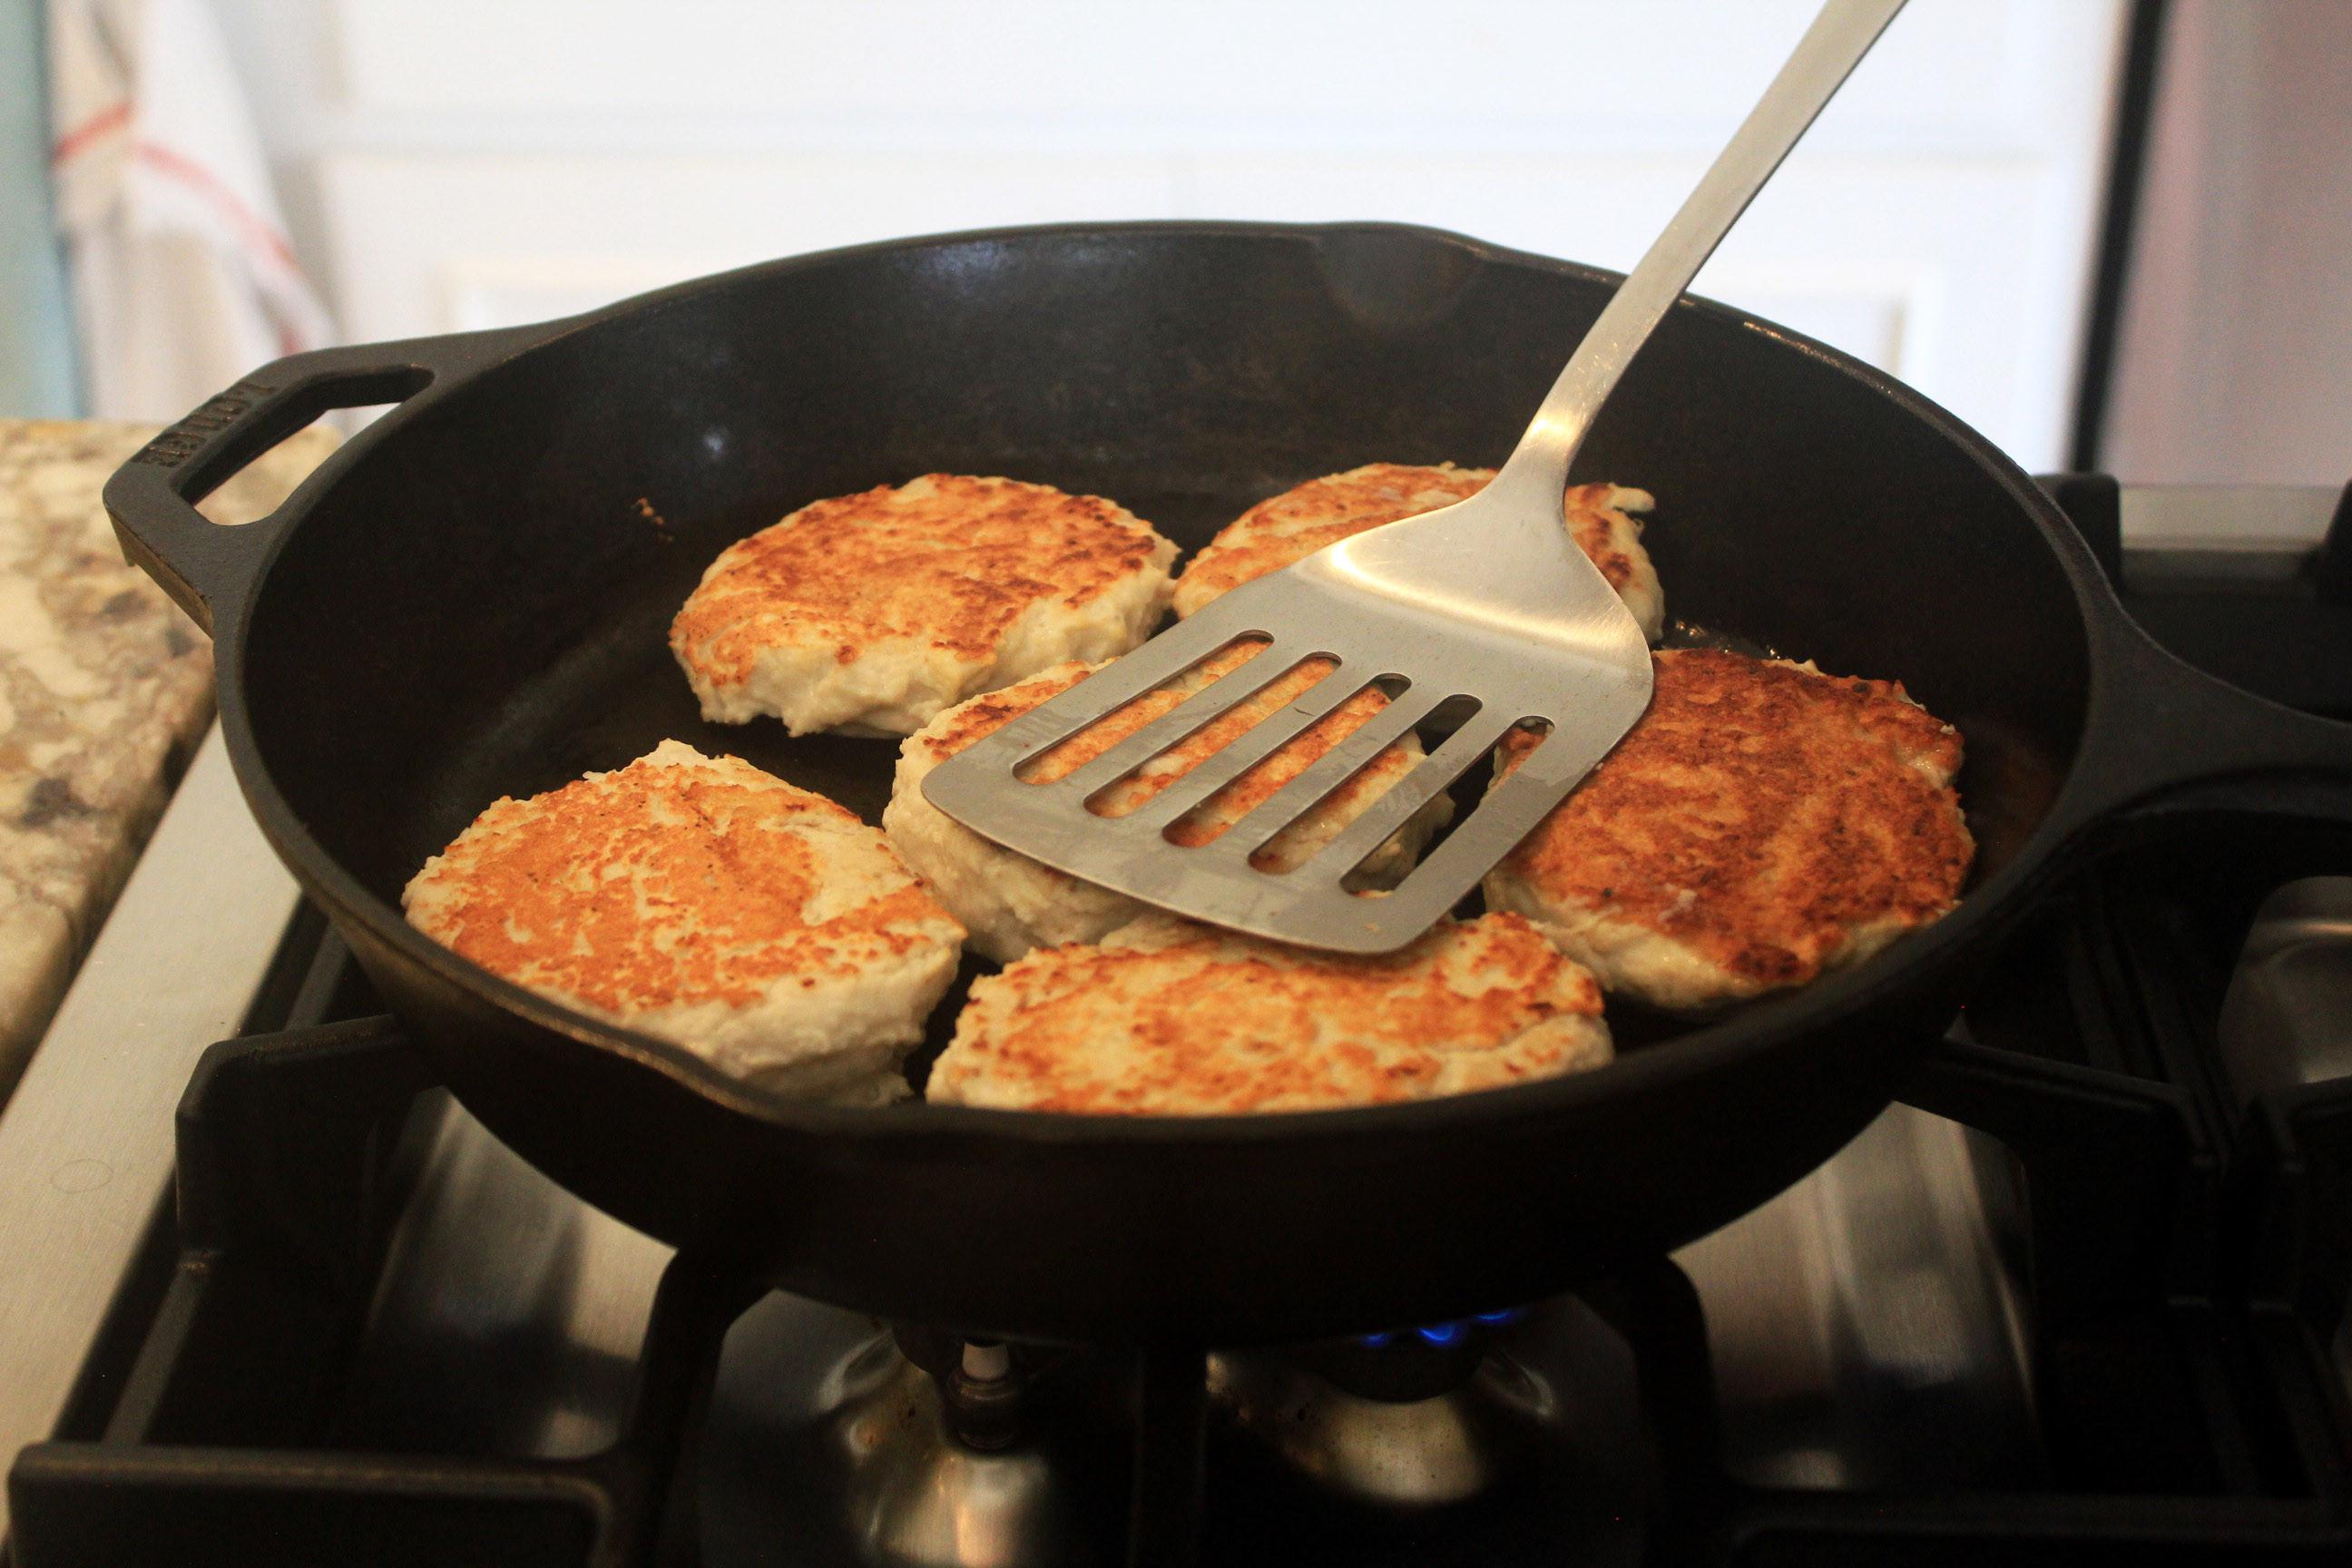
x=105 y=688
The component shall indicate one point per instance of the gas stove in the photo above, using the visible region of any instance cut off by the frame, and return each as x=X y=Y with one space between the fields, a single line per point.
x=2082 y=1295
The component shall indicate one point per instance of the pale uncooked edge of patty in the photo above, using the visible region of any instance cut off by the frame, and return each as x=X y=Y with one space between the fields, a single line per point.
x=1008 y=903
x=834 y=1034
x=1635 y=960
x=898 y=684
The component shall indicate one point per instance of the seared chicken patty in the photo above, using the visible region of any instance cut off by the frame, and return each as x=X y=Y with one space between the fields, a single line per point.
x=871 y=613
x=1172 y=1018
x=1012 y=903
x=1298 y=522
x=697 y=899
x=1763 y=823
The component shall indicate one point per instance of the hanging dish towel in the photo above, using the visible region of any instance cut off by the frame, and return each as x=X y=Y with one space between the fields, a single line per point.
x=183 y=279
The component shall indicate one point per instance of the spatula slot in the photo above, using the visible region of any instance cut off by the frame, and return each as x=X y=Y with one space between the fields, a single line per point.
x=1367 y=875
x=1472 y=737
x=1098 y=735
x=1446 y=717
x=1248 y=732
x=1286 y=827
x=1338 y=715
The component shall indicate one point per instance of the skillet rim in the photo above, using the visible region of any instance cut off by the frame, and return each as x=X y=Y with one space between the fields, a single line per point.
x=1754 y=1030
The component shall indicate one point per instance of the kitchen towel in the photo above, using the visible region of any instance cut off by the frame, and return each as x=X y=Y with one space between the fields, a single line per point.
x=182 y=277
x=36 y=368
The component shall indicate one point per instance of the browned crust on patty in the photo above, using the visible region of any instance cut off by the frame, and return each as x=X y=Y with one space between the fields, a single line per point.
x=1169 y=1016
x=656 y=885
x=1269 y=537
x=1760 y=814
x=951 y=560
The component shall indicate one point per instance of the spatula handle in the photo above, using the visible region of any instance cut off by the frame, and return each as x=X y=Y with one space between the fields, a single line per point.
x=1840 y=34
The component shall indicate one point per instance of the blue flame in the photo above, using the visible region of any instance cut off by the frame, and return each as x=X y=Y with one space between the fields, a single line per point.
x=1447 y=1333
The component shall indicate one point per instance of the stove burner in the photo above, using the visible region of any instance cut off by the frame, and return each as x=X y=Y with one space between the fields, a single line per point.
x=918 y=1490
x=1430 y=1416
x=835 y=1440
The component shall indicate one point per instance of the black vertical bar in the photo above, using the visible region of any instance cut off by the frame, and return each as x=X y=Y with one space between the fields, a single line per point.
x=2331 y=569
x=1654 y=1307
x=2127 y=166
x=699 y=1298
x=2094 y=504
x=1170 y=1424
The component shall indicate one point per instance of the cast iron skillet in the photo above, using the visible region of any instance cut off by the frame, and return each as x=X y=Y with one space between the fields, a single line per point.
x=469 y=600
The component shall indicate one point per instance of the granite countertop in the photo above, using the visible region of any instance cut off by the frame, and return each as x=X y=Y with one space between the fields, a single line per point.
x=105 y=689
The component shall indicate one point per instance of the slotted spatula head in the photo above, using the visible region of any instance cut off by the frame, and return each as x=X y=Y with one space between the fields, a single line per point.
x=1485 y=612
x=1486 y=607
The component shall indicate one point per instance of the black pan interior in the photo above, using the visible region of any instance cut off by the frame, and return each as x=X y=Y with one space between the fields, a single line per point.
x=496 y=582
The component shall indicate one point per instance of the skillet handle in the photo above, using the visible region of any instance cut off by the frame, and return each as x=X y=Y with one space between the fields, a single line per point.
x=153 y=498
x=2168 y=744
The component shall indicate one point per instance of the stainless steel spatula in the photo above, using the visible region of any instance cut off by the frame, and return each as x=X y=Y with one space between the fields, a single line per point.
x=1485 y=607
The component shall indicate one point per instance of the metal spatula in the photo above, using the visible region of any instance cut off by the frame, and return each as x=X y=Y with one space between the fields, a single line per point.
x=1485 y=607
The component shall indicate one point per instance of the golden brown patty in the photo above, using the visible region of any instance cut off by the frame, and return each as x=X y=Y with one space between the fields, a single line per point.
x=1012 y=903
x=699 y=900
x=1174 y=1018
x=1299 y=522
x=874 y=611
x=1762 y=821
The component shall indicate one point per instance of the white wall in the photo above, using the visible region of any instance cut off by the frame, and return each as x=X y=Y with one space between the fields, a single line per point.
x=451 y=163
x=2235 y=360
